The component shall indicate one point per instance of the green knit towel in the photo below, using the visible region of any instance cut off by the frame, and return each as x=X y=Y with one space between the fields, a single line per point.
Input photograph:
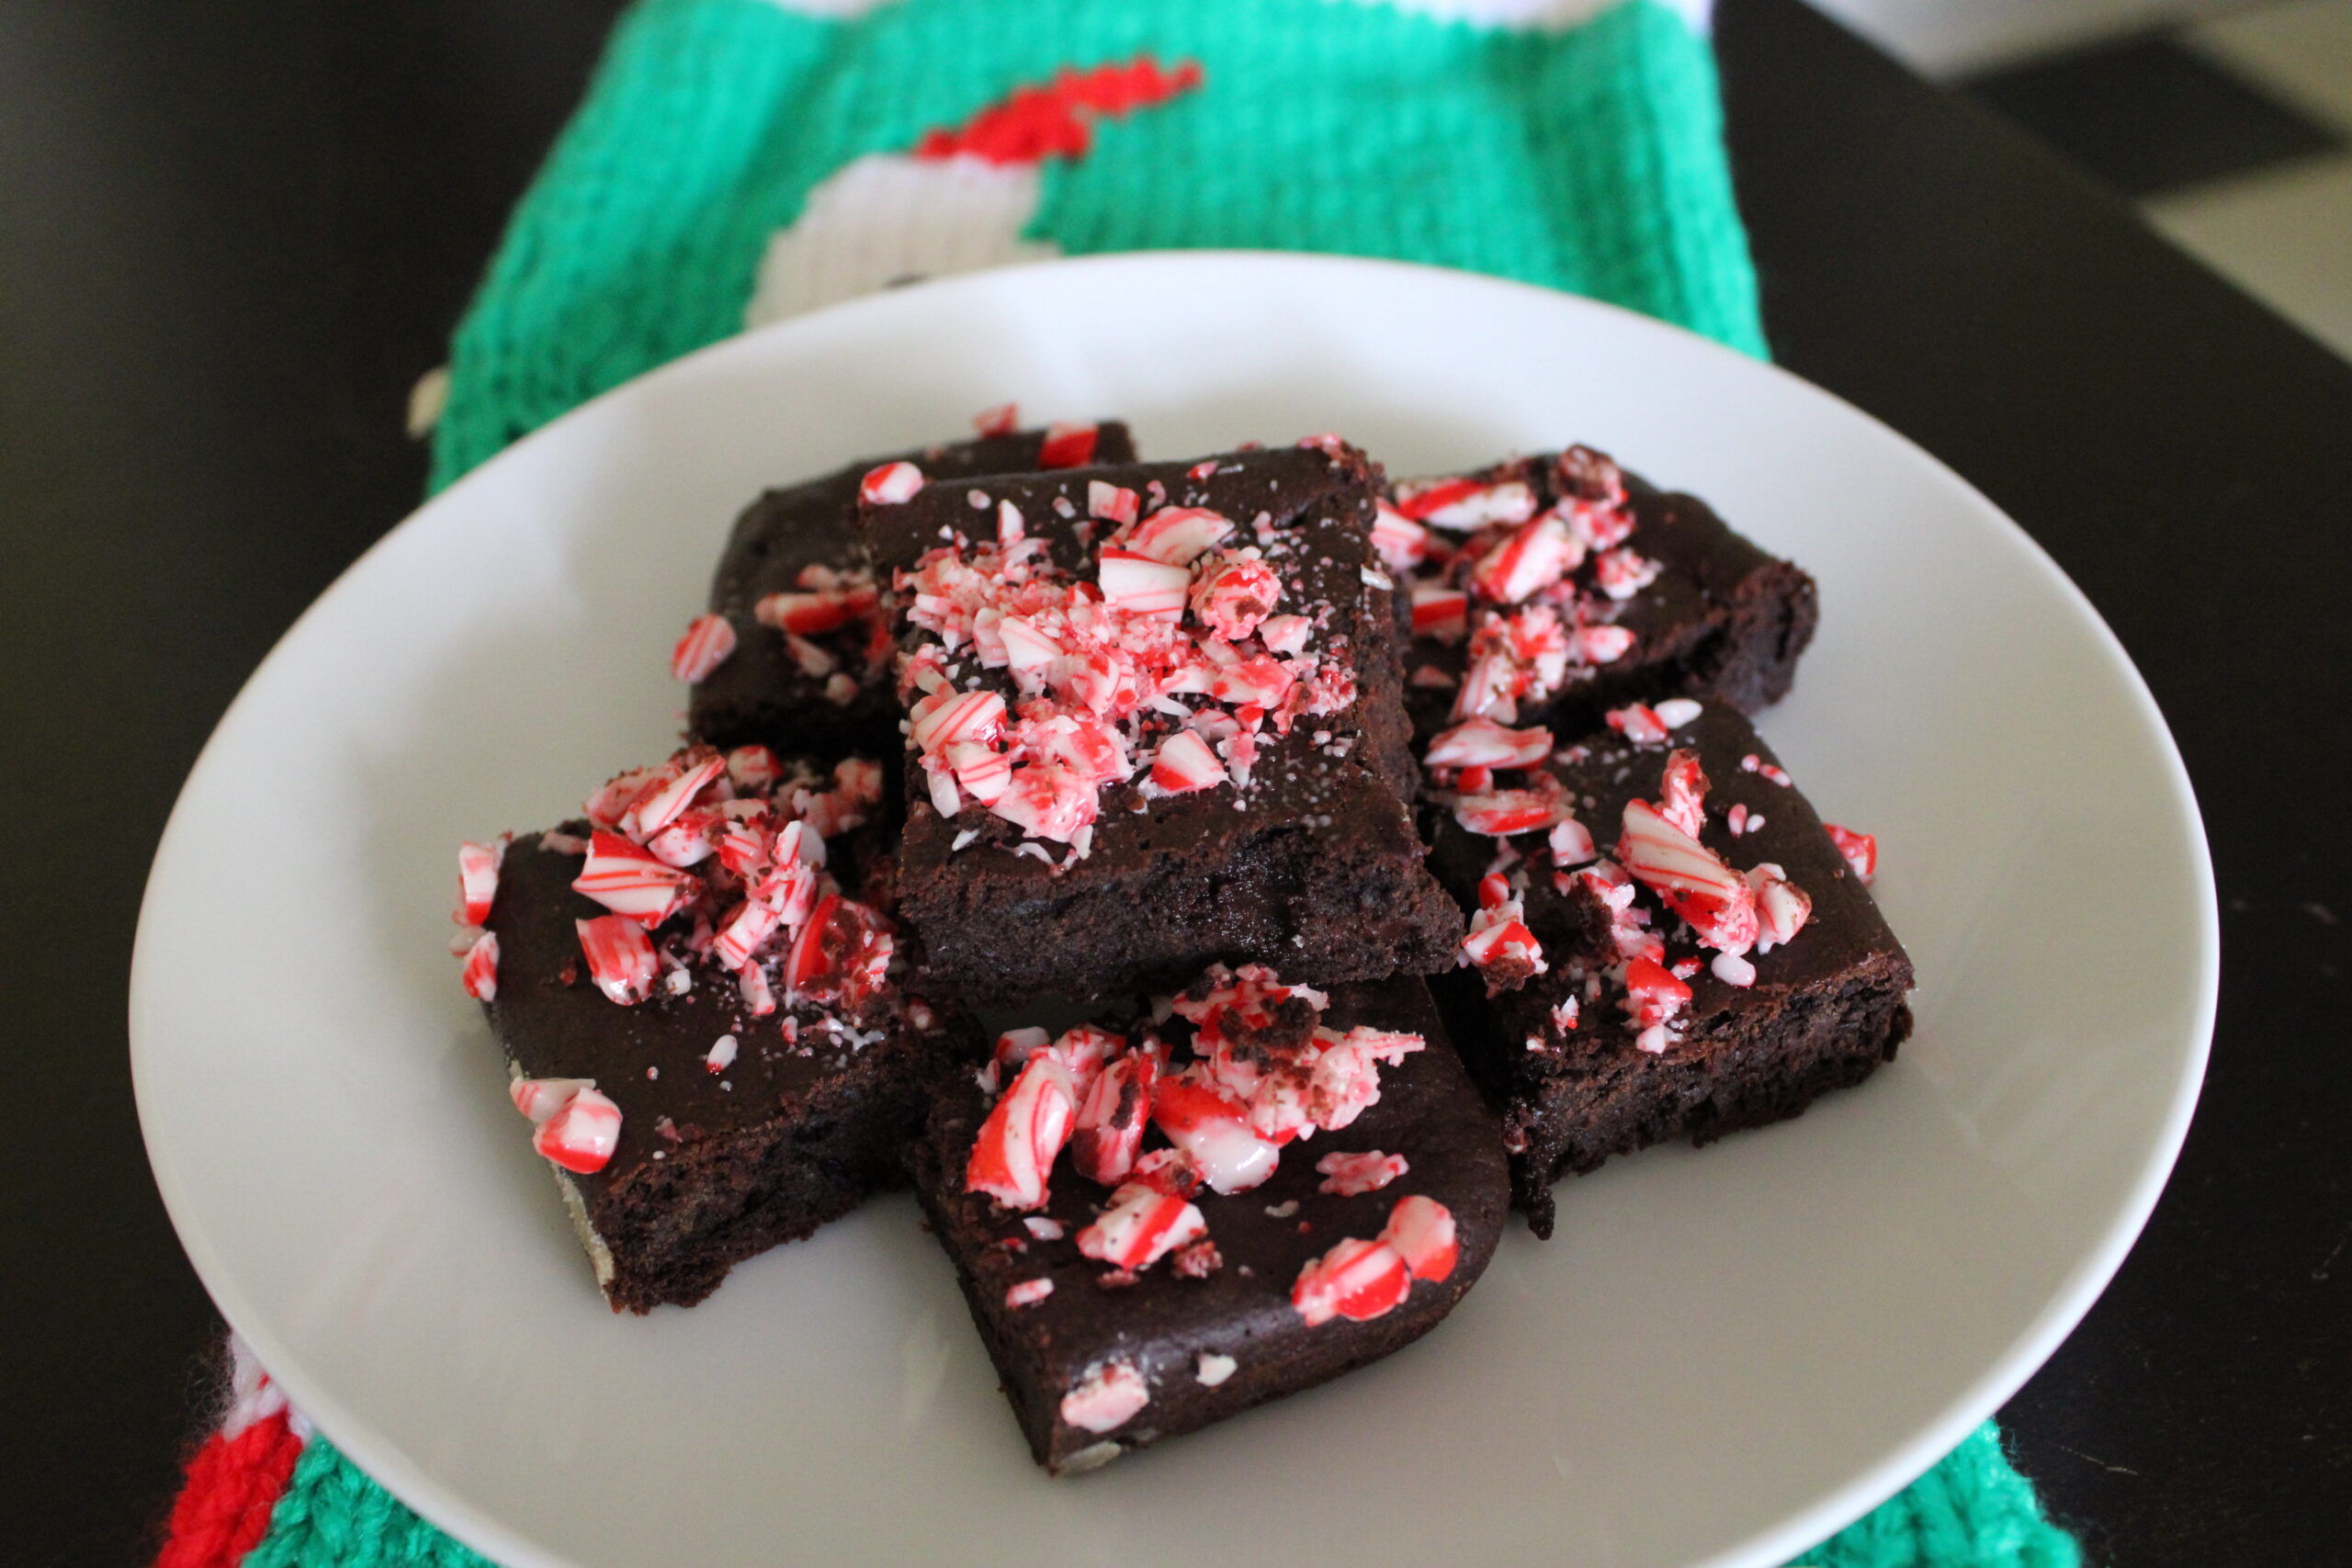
x=1588 y=159
x=1971 y=1511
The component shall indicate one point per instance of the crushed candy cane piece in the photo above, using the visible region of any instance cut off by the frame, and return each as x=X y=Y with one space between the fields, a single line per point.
x=1001 y=420
x=1354 y=1175
x=1212 y=1130
x=582 y=1133
x=1781 y=907
x=1422 y=1230
x=892 y=484
x=478 y=866
x=1357 y=1279
x=630 y=881
x=1108 y=1397
x=1179 y=536
x=709 y=642
x=540 y=1098
x=1690 y=877
x=1141 y=1226
x=721 y=1055
x=1213 y=1369
x=620 y=957
x=1028 y=1293
x=1184 y=763
x=1014 y=1153
x=1112 y=1118
x=480 y=974
x=1861 y=850
x=1481 y=742
x=1639 y=723
x=1067 y=446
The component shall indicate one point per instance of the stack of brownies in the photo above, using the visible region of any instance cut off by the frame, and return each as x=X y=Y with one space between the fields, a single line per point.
x=1335 y=863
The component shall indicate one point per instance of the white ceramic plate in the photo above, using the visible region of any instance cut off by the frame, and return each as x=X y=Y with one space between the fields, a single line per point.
x=1723 y=1356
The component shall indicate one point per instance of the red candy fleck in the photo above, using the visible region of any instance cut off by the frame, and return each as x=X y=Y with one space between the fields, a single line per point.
x=709 y=643
x=1001 y=420
x=1861 y=850
x=477 y=881
x=1107 y=1398
x=842 y=954
x=480 y=975
x=1441 y=613
x=1067 y=446
x=1638 y=723
x=620 y=957
x=1654 y=995
x=1682 y=794
x=582 y=1133
x=1461 y=504
x=1357 y=1279
x=1499 y=945
x=1501 y=812
x=1354 y=1175
x=1422 y=1230
x=1531 y=559
x=892 y=484
x=1014 y=1153
x=1141 y=1226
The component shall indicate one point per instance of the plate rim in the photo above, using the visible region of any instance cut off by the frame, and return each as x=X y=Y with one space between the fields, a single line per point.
x=380 y=1458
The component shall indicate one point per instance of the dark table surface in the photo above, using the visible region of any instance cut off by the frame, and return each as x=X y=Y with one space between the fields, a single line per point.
x=231 y=236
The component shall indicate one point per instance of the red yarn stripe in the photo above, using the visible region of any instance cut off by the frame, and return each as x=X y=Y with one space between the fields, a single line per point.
x=1038 y=122
x=232 y=1485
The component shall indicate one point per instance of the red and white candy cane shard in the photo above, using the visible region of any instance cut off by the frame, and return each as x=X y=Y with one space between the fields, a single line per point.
x=1184 y=763
x=1422 y=1230
x=1638 y=723
x=1654 y=994
x=1354 y=1175
x=1140 y=1227
x=1106 y=1398
x=1602 y=645
x=892 y=484
x=1460 y=505
x=1113 y=503
x=1067 y=446
x=1861 y=850
x=1001 y=420
x=1177 y=536
x=1532 y=558
x=1083 y=1050
x=1167 y=1170
x=1682 y=794
x=480 y=974
x=1263 y=681
x=1502 y=949
x=1481 y=742
x=582 y=1135
x=1011 y=526
x=810 y=613
x=667 y=798
x=753 y=768
x=1676 y=712
x=842 y=954
x=1620 y=573
x=540 y=1098
x=477 y=881
x=1402 y=543
x=1694 y=883
x=1028 y=1293
x=1142 y=586
x=620 y=957
x=1501 y=812
x=1357 y=1279
x=612 y=800
x=1781 y=907
x=1014 y=1153
x=1235 y=595
x=954 y=719
x=1111 y=1119
x=1571 y=844
x=630 y=881
x=1285 y=635
x=1214 y=1131
x=1441 y=613
x=709 y=642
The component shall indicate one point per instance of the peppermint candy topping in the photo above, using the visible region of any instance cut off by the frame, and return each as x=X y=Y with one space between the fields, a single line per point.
x=1067 y=446
x=581 y=1132
x=1500 y=946
x=1422 y=1230
x=894 y=484
x=620 y=957
x=1861 y=850
x=1014 y=1153
x=1001 y=420
x=1109 y=1396
x=1691 y=880
x=709 y=642
x=1141 y=1226
x=1357 y=1279
x=478 y=866
x=480 y=974
x=1028 y=1293
x=1354 y=1175
x=1481 y=742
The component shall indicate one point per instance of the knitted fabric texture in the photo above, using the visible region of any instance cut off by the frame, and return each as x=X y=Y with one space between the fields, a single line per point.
x=735 y=158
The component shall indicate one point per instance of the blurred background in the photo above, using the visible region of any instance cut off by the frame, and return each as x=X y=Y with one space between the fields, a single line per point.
x=2230 y=124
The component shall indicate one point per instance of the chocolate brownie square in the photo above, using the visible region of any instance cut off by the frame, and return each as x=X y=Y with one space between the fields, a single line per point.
x=1548 y=590
x=809 y=670
x=1250 y=1204
x=1670 y=942
x=695 y=991
x=1154 y=723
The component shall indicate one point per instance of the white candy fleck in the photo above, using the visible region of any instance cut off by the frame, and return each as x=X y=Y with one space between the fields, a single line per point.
x=721 y=1055
x=1214 y=1368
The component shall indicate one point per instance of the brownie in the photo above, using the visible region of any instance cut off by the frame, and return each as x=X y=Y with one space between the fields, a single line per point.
x=1214 y=782
x=1578 y=1077
x=803 y=540
x=1705 y=612
x=1211 y=1329
x=722 y=1151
